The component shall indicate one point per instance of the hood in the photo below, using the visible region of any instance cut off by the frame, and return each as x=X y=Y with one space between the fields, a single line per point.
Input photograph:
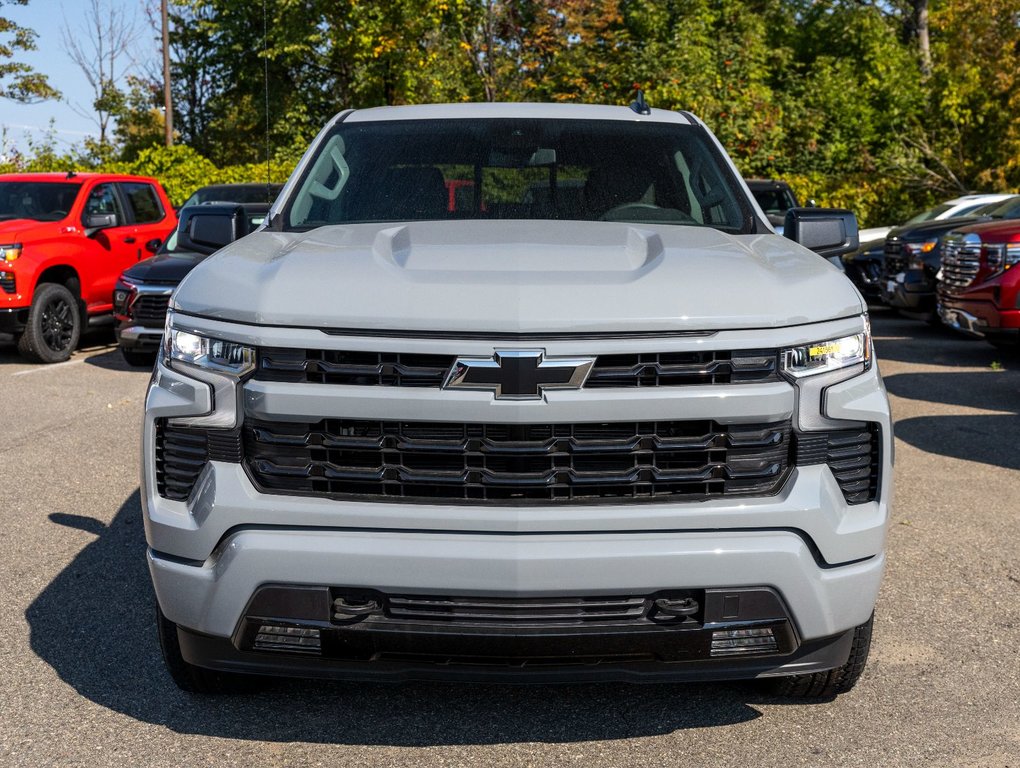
x=24 y=230
x=164 y=267
x=933 y=228
x=514 y=277
x=996 y=230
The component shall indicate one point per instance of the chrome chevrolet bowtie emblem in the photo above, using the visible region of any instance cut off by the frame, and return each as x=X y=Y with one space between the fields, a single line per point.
x=513 y=374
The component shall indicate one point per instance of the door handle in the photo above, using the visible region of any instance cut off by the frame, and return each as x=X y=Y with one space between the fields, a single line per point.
x=129 y=239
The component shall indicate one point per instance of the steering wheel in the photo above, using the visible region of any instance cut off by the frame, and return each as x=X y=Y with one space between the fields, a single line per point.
x=646 y=212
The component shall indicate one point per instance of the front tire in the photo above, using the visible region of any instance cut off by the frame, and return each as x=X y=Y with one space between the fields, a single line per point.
x=819 y=685
x=53 y=327
x=194 y=679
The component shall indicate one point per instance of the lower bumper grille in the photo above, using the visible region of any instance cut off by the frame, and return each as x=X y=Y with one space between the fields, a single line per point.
x=537 y=463
x=854 y=456
x=7 y=282
x=182 y=453
x=150 y=310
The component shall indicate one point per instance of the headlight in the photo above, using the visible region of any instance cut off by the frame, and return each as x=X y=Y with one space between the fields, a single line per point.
x=204 y=352
x=121 y=294
x=999 y=258
x=9 y=252
x=916 y=252
x=830 y=355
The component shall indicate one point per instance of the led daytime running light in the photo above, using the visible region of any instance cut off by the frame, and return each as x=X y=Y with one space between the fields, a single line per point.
x=204 y=352
x=829 y=355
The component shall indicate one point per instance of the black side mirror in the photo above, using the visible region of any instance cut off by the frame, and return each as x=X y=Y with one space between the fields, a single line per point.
x=828 y=232
x=97 y=221
x=207 y=228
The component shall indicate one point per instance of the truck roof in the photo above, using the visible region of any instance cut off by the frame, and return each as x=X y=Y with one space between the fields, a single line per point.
x=74 y=176
x=514 y=110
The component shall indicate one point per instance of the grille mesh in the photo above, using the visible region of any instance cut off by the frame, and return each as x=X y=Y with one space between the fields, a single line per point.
x=521 y=463
x=7 y=282
x=895 y=261
x=150 y=310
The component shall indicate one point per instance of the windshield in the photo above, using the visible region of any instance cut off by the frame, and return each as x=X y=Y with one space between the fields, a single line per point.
x=235 y=193
x=580 y=170
x=1004 y=209
x=931 y=213
x=38 y=200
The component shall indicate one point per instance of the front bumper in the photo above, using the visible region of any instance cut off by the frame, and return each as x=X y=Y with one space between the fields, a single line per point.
x=210 y=554
x=138 y=338
x=13 y=320
x=714 y=644
x=911 y=291
x=980 y=317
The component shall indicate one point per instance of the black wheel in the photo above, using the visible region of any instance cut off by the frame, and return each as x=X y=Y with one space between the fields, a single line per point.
x=194 y=679
x=138 y=359
x=817 y=685
x=54 y=325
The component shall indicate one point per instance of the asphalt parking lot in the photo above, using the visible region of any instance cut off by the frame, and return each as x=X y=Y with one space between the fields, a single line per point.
x=81 y=681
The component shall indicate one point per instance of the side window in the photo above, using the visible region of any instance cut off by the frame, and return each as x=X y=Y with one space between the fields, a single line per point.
x=143 y=201
x=103 y=199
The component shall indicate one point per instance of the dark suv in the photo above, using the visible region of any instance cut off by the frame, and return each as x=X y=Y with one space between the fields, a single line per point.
x=142 y=293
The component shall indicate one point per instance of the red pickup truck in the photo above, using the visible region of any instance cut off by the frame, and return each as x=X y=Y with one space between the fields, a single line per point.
x=979 y=284
x=64 y=240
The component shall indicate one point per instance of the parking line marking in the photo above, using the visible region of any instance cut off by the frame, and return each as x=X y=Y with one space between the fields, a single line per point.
x=42 y=368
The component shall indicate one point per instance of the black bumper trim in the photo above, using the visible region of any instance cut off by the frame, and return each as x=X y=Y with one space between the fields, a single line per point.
x=220 y=654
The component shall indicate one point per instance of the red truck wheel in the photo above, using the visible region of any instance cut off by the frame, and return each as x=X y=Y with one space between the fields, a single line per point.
x=53 y=327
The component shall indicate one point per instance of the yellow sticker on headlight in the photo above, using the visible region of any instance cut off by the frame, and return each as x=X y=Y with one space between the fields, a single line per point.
x=820 y=350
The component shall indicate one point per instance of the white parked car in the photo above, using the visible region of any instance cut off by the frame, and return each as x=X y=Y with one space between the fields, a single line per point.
x=950 y=209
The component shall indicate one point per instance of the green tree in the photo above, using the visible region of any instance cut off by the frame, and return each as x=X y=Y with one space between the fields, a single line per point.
x=18 y=81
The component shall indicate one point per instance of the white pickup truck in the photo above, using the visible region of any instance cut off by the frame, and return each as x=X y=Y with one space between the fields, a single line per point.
x=517 y=392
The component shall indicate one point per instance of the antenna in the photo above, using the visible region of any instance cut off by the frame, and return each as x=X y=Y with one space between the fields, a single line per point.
x=265 y=72
x=639 y=104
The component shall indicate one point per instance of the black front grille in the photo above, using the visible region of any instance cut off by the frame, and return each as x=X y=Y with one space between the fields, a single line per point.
x=381 y=369
x=182 y=453
x=395 y=369
x=7 y=282
x=150 y=310
x=433 y=461
x=853 y=455
x=531 y=611
x=895 y=261
x=669 y=369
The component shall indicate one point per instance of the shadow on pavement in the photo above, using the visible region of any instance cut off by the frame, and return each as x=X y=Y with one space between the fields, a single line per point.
x=113 y=360
x=987 y=438
x=911 y=341
x=94 y=625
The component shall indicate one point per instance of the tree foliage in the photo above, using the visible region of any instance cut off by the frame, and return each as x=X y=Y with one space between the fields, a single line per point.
x=882 y=106
x=18 y=81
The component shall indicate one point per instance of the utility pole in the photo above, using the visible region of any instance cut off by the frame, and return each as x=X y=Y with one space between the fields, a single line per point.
x=168 y=105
